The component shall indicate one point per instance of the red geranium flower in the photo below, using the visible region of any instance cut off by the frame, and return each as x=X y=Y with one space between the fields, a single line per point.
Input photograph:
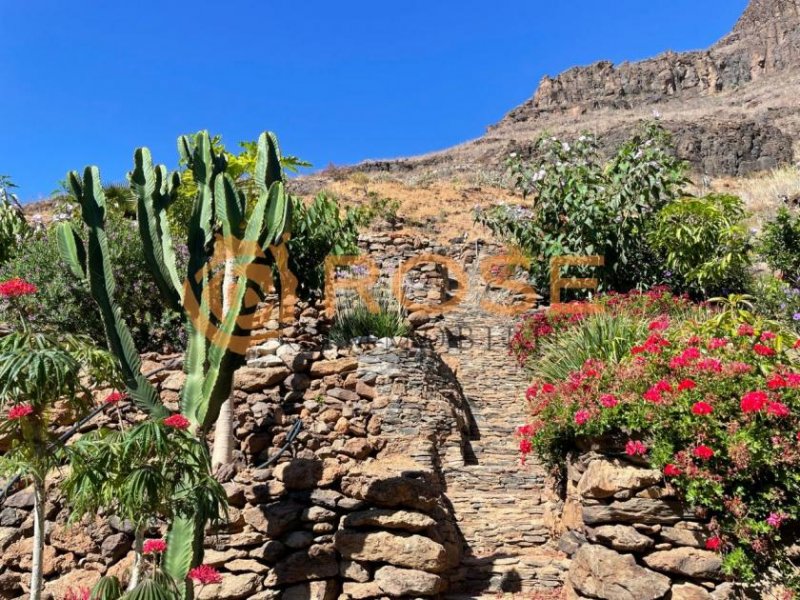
x=205 y=574
x=703 y=452
x=763 y=350
x=686 y=384
x=713 y=543
x=548 y=388
x=702 y=408
x=154 y=546
x=14 y=288
x=778 y=409
x=15 y=413
x=525 y=446
x=608 y=400
x=635 y=448
x=581 y=417
x=671 y=470
x=177 y=421
x=115 y=397
x=652 y=395
x=775 y=382
x=754 y=401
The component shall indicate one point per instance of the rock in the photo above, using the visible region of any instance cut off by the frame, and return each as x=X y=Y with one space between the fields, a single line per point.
x=683 y=536
x=9 y=535
x=22 y=499
x=296 y=540
x=337 y=366
x=273 y=519
x=234 y=493
x=621 y=537
x=360 y=591
x=389 y=519
x=115 y=546
x=313 y=590
x=12 y=517
x=636 y=510
x=358 y=448
x=75 y=579
x=364 y=390
x=254 y=379
x=604 y=478
x=174 y=381
x=270 y=552
x=689 y=562
x=10 y=585
x=299 y=473
x=688 y=591
x=298 y=382
x=233 y=587
x=393 y=481
x=317 y=514
x=318 y=562
x=570 y=541
x=243 y=565
x=602 y=573
x=407 y=582
x=72 y=539
x=403 y=550
x=350 y=569
x=217 y=558
x=419 y=318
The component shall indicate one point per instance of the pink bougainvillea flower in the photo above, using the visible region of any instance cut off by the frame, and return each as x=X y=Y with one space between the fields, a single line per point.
x=763 y=350
x=746 y=329
x=753 y=401
x=114 y=397
x=14 y=288
x=581 y=417
x=775 y=520
x=608 y=400
x=686 y=384
x=525 y=446
x=15 y=413
x=671 y=470
x=205 y=574
x=177 y=422
x=703 y=452
x=154 y=546
x=778 y=409
x=702 y=408
x=635 y=448
x=713 y=543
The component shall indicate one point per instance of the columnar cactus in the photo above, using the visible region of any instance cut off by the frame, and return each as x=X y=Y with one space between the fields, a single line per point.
x=221 y=231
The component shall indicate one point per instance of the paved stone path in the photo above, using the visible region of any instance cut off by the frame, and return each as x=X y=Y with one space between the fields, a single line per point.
x=498 y=503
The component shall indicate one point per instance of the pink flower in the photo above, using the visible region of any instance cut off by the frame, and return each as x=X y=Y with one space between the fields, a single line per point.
x=659 y=325
x=753 y=401
x=205 y=574
x=762 y=350
x=548 y=388
x=663 y=386
x=77 y=594
x=581 y=417
x=531 y=392
x=712 y=365
x=775 y=520
x=652 y=395
x=767 y=335
x=635 y=448
x=713 y=543
x=671 y=470
x=778 y=409
x=114 y=397
x=793 y=380
x=703 y=452
x=776 y=382
x=702 y=408
x=177 y=421
x=14 y=288
x=525 y=430
x=715 y=343
x=746 y=329
x=686 y=384
x=15 y=413
x=525 y=446
x=154 y=546
x=608 y=400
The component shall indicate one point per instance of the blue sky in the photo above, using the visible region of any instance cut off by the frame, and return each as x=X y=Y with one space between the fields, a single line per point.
x=88 y=81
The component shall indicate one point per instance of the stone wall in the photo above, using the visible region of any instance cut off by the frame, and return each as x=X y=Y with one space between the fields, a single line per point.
x=629 y=536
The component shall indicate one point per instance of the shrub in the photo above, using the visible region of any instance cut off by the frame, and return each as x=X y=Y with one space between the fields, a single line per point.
x=13 y=226
x=354 y=319
x=777 y=300
x=704 y=243
x=584 y=206
x=780 y=245
x=719 y=414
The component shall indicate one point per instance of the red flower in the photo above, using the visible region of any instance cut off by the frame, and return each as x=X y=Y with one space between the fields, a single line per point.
x=710 y=364
x=525 y=446
x=14 y=288
x=652 y=395
x=686 y=384
x=793 y=380
x=15 y=413
x=205 y=574
x=154 y=546
x=775 y=382
x=715 y=343
x=663 y=386
x=713 y=543
x=753 y=401
x=635 y=448
x=548 y=388
x=525 y=430
x=659 y=325
x=763 y=350
x=702 y=408
x=581 y=417
x=531 y=392
x=767 y=335
x=778 y=409
x=608 y=400
x=77 y=594
x=703 y=452
x=115 y=397
x=796 y=345
x=746 y=329
x=671 y=470
x=177 y=421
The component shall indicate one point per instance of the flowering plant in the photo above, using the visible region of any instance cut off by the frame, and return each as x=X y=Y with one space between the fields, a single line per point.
x=720 y=414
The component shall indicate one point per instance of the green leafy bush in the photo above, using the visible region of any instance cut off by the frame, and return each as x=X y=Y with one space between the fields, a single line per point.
x=719 y=413
x=13 y=226
x=583 y=205
x=780 y=245
x=777 y=300
x=319 y=229
x=704 y=243
x=354 y=319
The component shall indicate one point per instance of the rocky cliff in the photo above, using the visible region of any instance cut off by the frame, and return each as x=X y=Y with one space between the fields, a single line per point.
x=732 y=107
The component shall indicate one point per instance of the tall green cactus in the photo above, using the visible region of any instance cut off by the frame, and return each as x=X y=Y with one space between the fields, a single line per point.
x=219 y=210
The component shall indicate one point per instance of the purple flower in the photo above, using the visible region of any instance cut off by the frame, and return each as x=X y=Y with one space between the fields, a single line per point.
x=796 y=316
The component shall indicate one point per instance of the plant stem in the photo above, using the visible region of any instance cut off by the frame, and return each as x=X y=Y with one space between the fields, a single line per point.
x=223 y=432
x=38 y=537
x=138 y=558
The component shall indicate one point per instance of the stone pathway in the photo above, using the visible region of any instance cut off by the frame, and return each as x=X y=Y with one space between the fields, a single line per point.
x=499 y=504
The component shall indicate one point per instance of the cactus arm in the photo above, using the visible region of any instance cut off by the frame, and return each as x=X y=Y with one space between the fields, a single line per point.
x=72 y=249
x=154 y=192
x=228 y=205
x=277 y=216
x=268 y=161
x=182 y=552
x=89 y=193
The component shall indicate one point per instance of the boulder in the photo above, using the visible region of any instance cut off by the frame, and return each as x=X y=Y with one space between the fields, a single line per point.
x=621 y=537
x=688 y=562
x=323 y=368
x=10 y=584
x=360 y=591
x=350 y=569
x=402 y=550
x=389 y=519
x=601 y=573
x=636 y=510
x=393 y=481
x=318 y=562
x=299 y=473
x=688 y=591
x=273 y=519
x=408 y=582
x=313 y=590
x=233 y=587
x=604 y=478
x=685 y=536
x=244 y=565
x=254 y=379
x=115 y=546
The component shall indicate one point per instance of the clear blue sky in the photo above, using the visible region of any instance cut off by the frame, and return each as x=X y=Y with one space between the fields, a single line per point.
x=339 y=81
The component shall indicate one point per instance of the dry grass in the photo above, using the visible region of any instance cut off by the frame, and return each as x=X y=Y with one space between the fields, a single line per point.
x=763 y=194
